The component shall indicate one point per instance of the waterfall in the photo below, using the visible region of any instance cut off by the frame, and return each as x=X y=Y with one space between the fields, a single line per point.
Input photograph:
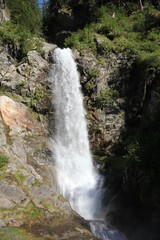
x=77 y=178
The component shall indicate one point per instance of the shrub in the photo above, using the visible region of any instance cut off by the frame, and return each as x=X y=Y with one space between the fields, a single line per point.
x=107 y=96
x=3 y=160
x=19 y=38
x=137 y=33
x=22 y=32
x=25 y=13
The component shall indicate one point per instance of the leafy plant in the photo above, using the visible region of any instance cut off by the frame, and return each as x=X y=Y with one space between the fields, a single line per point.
x=94 y=73
x=137 y=33
x=107 y=96
x=20 y=177
x=3 y=160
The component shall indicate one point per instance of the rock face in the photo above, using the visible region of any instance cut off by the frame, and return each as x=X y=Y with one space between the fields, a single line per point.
x=26 y=80
x=11 y=196
x=17 y=117
x=4 y=16
x=28 y=195
x=122 y=99
x=103 y=86
x=117 y=93
x=113 y=102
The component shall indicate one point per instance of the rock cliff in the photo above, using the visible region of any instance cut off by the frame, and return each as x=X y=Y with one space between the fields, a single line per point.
x=28 y=196
x=122 y=98
x=103 y=83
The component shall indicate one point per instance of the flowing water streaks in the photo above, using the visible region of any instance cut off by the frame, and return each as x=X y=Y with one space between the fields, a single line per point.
x=78 y=180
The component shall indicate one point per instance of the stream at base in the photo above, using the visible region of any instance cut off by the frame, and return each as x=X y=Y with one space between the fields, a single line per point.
x=77 y=177
x=104 y=232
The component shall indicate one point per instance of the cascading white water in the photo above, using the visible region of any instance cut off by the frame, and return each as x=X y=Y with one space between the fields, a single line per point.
x=77 y=178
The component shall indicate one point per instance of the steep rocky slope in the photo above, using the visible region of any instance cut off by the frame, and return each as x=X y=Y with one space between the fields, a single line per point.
x=28 y=196
x=103 y=87
x=118 y=97
x=122 y=98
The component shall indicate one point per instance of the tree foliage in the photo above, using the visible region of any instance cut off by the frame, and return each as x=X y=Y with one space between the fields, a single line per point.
x=25 y=13
x=85 y=11
x=21 y=34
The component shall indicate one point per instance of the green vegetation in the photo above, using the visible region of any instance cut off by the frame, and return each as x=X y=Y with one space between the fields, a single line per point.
x=25 y=13
x=94 y=73
x=19 y=39
x=35 y=212
x=3 y=160
x=36 y=183
x=22 y=33
x=29 y=214
x=40 y=95
x=107 y=96
x=136 y=33
x=20 y=177
x=13 y=233
x=49 y=206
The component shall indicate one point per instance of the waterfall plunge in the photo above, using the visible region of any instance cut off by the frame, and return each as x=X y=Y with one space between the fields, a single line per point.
x=77 y=178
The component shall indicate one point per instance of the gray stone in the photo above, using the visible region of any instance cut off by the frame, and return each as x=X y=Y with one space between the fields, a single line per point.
x=5 y=203
x=24 y=70
x=35 y=60
x=13 y=194
x=105 y=125
x=99 y=40
x=2 y=223
x=3 y=139
x=29 y=177
x=4 y=16
x=40 y=193
x=48 y=49
x=30 y=180
x=17 y=148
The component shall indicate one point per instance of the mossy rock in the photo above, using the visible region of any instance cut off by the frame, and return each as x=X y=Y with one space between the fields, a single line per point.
x=13 y=233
